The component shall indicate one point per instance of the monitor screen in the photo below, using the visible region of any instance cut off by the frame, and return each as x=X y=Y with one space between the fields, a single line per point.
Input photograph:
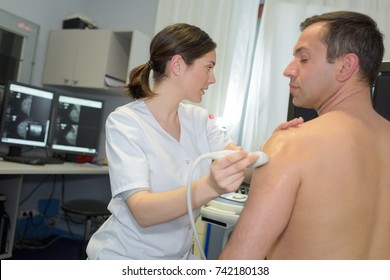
x=77 y=125
x=381 y=91
x=296 y=112
x=26 y=115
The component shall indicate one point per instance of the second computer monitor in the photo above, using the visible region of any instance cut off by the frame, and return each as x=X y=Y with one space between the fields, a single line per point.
x=77 y=125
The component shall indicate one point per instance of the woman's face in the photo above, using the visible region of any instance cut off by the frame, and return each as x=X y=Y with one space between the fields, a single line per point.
x=198 y=76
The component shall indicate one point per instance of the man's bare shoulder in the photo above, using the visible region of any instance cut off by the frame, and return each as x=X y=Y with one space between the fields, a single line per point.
x=325 y=131
x=290 y=139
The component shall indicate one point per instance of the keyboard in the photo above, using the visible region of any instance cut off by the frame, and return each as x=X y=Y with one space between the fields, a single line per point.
x=33 y=160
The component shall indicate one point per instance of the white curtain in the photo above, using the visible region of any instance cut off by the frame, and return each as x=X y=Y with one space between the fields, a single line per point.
x=232 y=25
x=268 y=93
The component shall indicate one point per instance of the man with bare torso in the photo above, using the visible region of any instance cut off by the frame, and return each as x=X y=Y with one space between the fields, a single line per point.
x=325 y=194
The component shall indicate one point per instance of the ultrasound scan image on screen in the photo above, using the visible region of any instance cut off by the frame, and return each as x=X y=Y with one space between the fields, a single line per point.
x=77 y=125
x=26 y=115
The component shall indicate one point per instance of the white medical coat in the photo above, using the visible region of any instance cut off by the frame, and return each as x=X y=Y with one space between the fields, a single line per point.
x=142 y=155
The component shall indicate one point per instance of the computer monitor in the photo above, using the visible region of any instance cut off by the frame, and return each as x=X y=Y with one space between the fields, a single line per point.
x=296 y=112
x=26 y=115
x=381 y=91
x=77 y=125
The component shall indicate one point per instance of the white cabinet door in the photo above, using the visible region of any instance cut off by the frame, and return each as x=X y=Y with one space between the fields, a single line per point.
x=92 y=58
x=76 y=57
x=60 y=57
x=85 y=57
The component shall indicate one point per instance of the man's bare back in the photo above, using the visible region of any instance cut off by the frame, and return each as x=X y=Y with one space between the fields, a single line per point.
x=342 y=209
x=325 y=194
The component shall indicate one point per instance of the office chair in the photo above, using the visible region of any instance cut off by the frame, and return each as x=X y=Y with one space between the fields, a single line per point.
x=88 y=208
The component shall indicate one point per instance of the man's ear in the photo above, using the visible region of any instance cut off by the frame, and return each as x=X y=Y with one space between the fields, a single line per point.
x=347 y=65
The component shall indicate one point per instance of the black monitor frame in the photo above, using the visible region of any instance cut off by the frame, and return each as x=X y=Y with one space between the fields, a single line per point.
x=77 y=125
x=296 y=112
x=25 y=116
x=381 y=91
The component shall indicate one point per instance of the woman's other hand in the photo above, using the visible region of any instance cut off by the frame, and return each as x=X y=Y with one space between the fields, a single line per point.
x=291 y=123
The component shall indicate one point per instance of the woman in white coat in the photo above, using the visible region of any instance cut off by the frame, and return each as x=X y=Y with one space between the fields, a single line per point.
x=151 y=145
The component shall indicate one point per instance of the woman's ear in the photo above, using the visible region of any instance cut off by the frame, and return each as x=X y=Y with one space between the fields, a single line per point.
x=175 y=64
x=348 y=64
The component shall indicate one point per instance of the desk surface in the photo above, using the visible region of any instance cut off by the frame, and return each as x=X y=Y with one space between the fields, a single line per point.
x=8 y=168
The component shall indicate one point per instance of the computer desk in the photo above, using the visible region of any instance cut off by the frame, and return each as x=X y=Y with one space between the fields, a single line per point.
x=11 y=180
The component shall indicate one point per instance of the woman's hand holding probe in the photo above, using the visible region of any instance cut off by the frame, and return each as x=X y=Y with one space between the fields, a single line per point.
x=227 y=173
